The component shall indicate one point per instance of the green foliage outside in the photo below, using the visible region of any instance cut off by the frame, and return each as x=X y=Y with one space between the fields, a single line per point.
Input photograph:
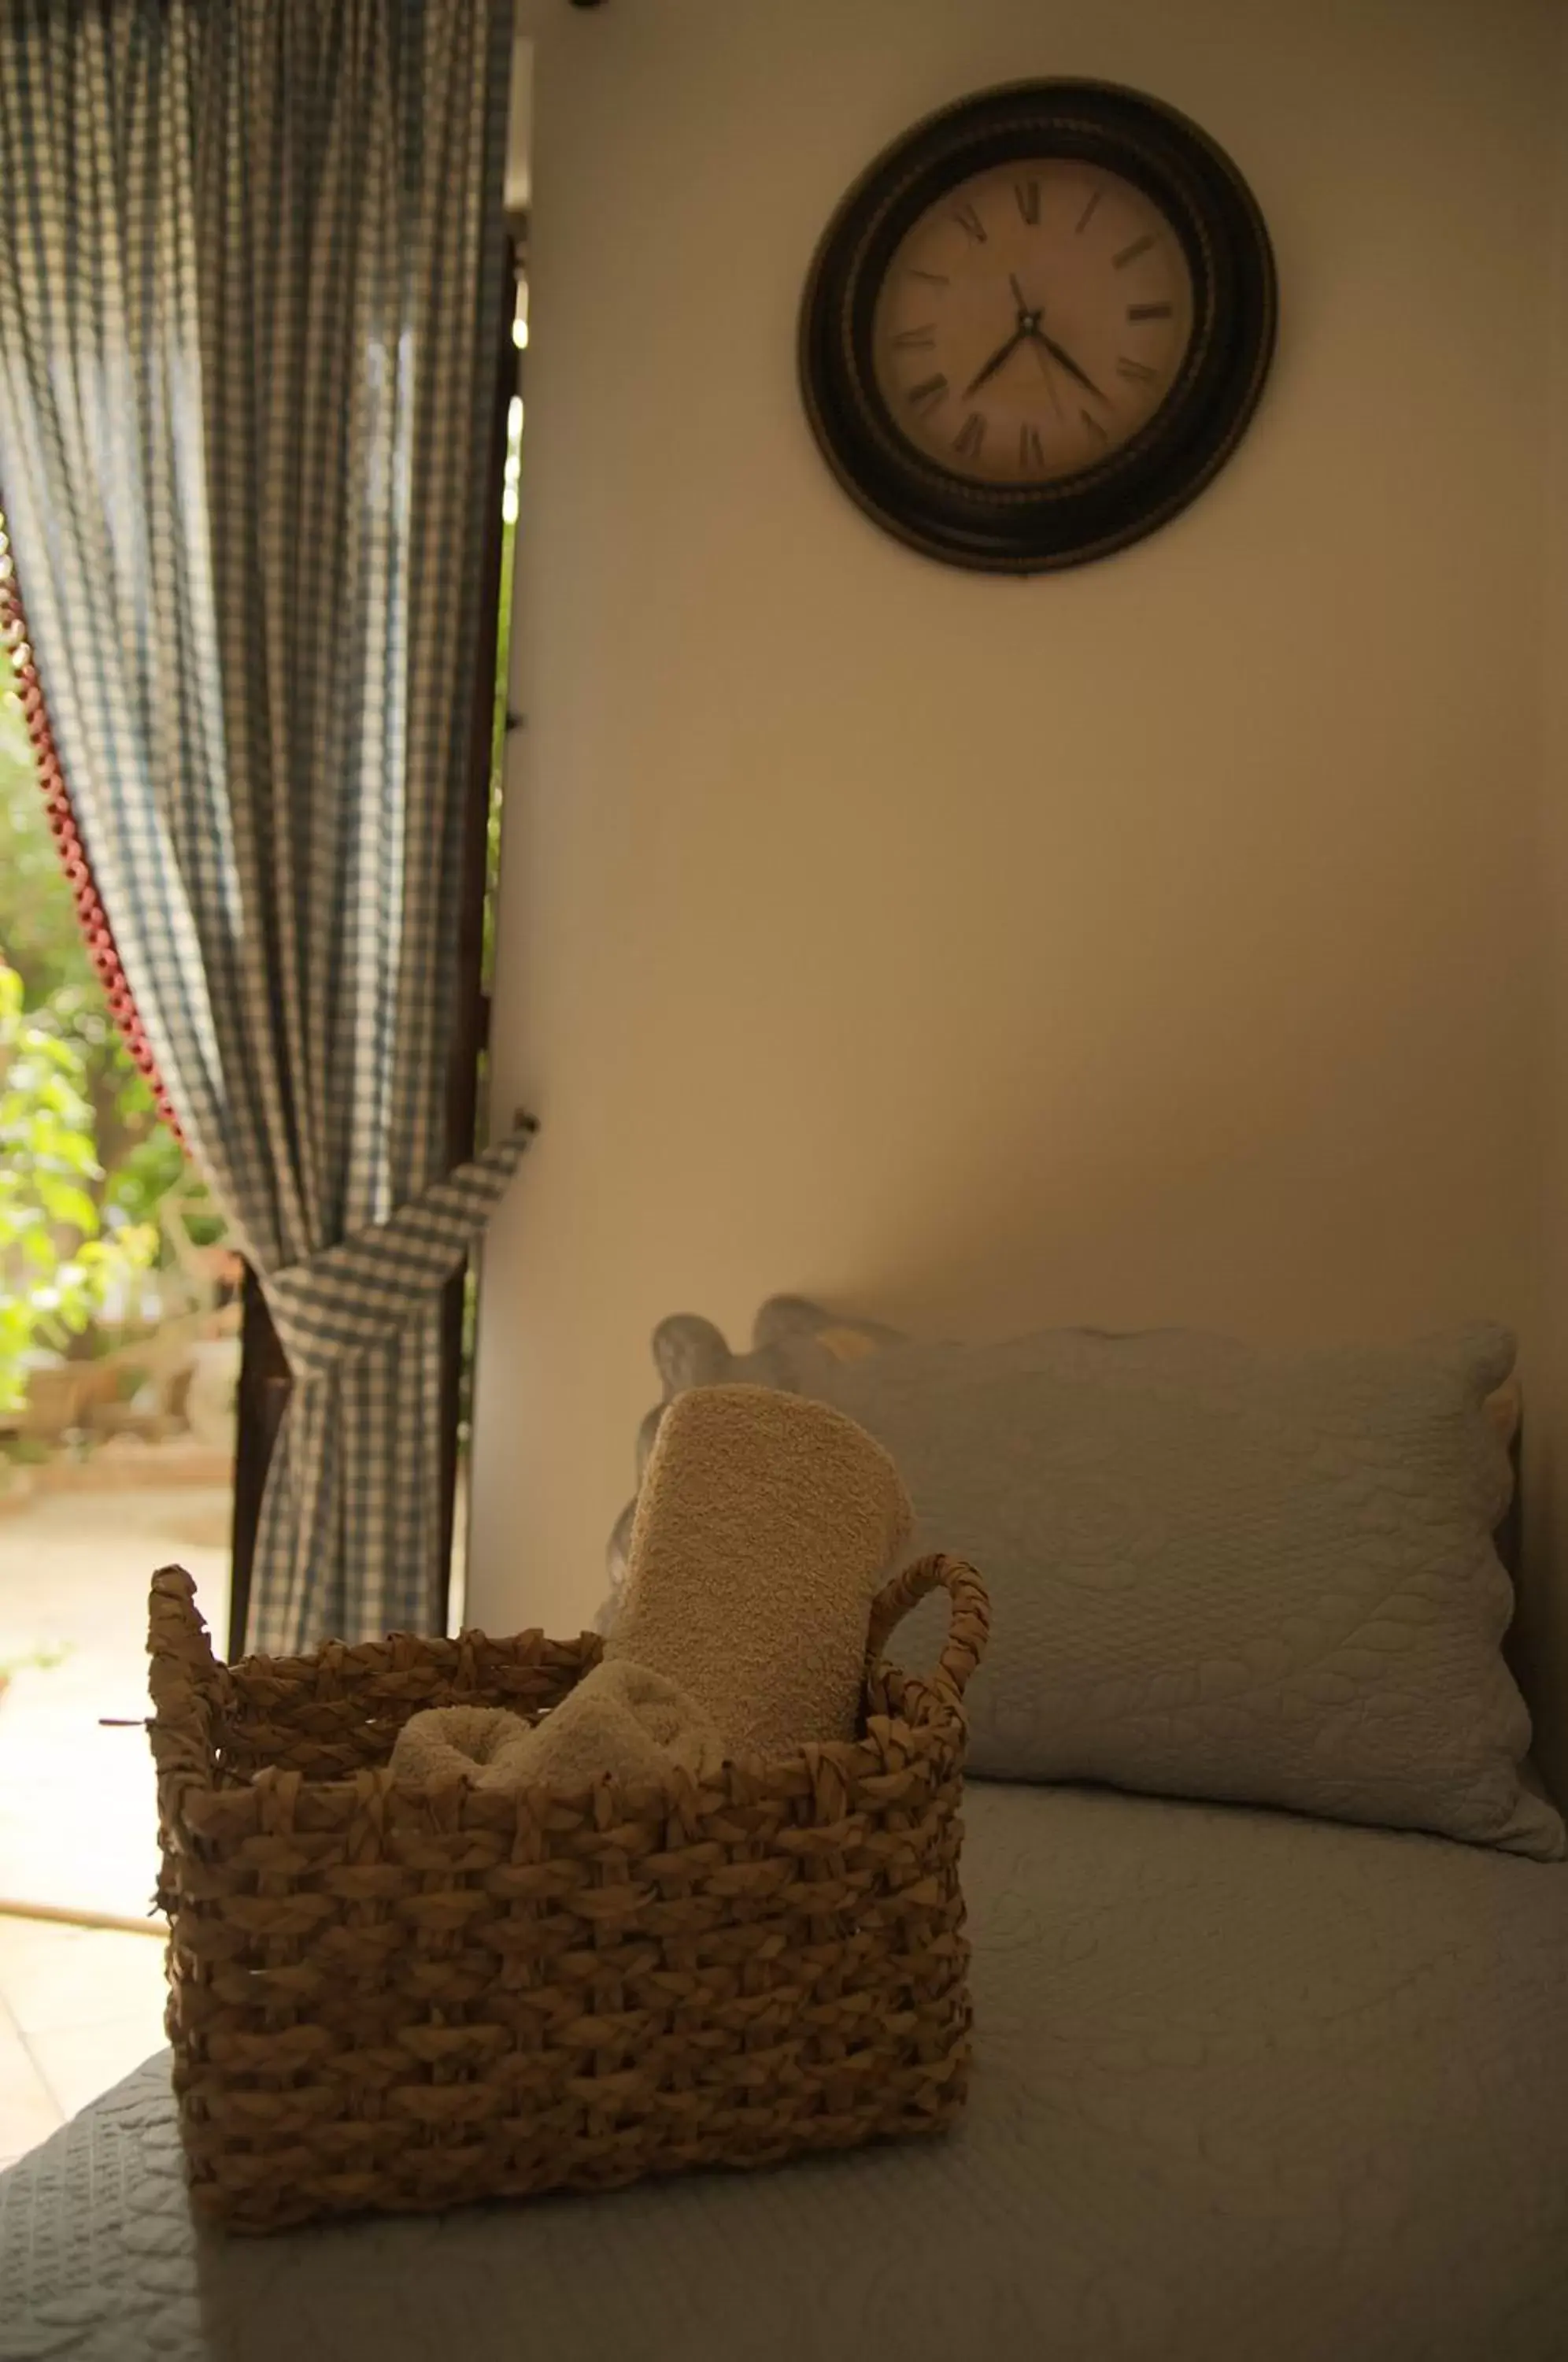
x=85 y=1160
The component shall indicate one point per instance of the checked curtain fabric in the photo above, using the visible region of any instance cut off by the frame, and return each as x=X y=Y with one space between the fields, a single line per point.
x=249 y=265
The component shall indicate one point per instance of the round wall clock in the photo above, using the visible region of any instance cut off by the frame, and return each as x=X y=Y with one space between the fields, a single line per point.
x=1037 y=325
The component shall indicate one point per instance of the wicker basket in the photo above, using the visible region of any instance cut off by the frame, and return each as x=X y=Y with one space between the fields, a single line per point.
x=392 y=1997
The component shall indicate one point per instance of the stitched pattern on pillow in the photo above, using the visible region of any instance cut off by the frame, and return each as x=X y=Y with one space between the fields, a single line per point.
x=1215 y=1571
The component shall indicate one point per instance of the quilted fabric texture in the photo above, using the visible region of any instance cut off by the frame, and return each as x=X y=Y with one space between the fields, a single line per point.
x=1247 y=2089
x=1214 y=1570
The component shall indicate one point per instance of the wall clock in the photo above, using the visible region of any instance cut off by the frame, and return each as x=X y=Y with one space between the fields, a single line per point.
x=1037 y=325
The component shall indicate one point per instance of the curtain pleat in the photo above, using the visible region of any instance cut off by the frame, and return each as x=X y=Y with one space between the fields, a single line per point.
x=250 y=268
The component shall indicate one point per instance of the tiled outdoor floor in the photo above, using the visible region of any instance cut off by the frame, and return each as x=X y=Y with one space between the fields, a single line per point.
x=78 y=1814
x=79 y=2009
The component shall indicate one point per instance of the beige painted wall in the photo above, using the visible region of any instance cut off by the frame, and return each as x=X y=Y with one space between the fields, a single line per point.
x=1161 y=941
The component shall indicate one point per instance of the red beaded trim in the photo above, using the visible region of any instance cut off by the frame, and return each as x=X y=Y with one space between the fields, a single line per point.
x=73 y=859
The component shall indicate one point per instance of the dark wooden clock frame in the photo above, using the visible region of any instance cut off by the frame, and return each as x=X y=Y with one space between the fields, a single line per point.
x=1035 y=528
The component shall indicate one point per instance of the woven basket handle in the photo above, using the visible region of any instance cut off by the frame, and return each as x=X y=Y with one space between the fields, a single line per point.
x=190 y=1688
x=967 y=1633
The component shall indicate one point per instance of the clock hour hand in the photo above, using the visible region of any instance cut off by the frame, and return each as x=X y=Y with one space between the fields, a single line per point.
x=1003 y=353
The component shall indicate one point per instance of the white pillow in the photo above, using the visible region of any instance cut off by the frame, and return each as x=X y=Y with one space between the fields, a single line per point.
x=1214 y=1570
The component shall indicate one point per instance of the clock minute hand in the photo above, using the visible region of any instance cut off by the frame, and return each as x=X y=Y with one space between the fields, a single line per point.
x=1067 y=363
x=1049 y=374
x=1003 y=353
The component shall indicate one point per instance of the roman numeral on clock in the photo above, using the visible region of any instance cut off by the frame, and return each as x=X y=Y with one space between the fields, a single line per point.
x=929 y=392
x=970 y=436
x=1028 y=195
x=1148 y=311
x=910 y=340
x=969 y=222
x=1031 y=450
x=1137 y=372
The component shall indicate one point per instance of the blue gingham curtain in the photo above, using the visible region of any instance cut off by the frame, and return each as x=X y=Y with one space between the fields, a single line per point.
x=249 y=277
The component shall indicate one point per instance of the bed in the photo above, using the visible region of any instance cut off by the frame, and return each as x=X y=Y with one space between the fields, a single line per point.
x=1252 y=2085
x=1249 y=2086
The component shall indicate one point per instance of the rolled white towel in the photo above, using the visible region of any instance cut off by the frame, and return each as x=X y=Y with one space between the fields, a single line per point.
x=765 y=1524
x=453 y=1742
x=622 y=1720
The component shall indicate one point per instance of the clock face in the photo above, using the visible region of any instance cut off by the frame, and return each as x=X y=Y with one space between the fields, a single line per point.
x=1037 y=325
x=1032 y=321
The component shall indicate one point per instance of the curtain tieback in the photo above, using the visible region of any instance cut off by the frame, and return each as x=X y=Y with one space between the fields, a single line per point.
x=356 y=1295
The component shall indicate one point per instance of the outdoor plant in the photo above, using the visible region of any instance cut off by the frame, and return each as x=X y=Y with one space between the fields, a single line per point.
x=63 y=1259
x=43 y=1660
x=83 y=1159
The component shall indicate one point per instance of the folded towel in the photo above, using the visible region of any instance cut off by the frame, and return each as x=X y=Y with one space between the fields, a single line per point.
x=453 y=1742
x=764 y=1525
x=622 y=1719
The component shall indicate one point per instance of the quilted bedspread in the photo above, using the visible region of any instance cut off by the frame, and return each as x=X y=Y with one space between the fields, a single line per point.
x=1249 y=2089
